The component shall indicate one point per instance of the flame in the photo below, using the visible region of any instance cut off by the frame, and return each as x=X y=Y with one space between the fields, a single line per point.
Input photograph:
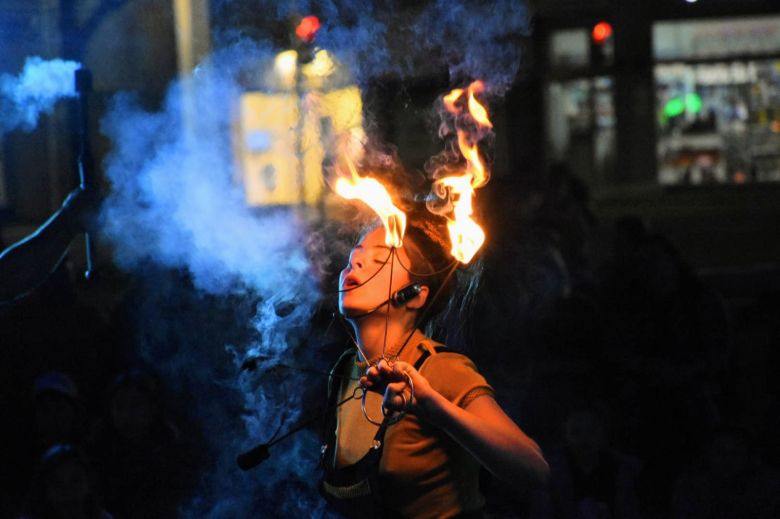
x=451 y=98
x=466 y=235
x=474 y=165
x=477 y=111
x=374 y=194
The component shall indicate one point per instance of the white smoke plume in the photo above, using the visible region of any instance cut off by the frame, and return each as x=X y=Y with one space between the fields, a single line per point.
x=34 y=91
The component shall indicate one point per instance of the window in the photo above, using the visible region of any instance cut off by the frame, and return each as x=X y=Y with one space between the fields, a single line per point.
x=581 y=126
x=718 y=101
x=570 y=48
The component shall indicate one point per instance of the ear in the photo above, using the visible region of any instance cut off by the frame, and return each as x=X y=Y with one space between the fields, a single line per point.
x=420 y=299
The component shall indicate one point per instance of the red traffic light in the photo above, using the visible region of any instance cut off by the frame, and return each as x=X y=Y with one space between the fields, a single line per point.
x=308 y=28
x=601 y=32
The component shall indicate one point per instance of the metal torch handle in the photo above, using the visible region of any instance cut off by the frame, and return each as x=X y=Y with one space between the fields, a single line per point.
x=83 y=79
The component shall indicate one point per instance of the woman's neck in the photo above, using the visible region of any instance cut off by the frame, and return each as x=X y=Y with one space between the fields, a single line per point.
x=374 y=341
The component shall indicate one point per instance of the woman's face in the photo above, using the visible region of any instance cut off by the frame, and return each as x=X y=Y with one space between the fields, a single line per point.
x=365 y=259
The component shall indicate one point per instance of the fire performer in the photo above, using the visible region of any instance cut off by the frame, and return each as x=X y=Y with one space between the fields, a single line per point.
x=417 y=419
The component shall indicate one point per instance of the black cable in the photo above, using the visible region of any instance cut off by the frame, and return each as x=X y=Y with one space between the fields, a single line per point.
x=434 y=273
x=309 y=370
x=372 y=276
x=389 y=298
x=260 y=453
x=424 y=313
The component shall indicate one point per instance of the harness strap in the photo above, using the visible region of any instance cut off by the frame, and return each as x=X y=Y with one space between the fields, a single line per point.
x=426 y=354
x=354 y=490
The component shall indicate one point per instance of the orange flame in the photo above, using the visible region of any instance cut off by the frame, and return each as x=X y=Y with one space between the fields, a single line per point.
x=466 y=235
x=474 y=165
x=374 y=194
x=477 y=111
x=451 y=98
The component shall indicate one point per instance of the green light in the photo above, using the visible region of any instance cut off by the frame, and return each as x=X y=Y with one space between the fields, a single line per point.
x=693 y=103
x=674 y=107
x=677 y=105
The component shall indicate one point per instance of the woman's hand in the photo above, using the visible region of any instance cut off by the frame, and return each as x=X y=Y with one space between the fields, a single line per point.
x=390 y=379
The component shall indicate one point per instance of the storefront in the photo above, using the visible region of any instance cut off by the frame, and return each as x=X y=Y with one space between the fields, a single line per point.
x=715 y=108
x=718 y=100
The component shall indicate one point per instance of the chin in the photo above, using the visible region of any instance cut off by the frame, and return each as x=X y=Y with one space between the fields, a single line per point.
x=349 y=312
x=346 y=309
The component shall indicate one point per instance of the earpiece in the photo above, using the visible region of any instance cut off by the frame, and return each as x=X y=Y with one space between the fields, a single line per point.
x=406 y=294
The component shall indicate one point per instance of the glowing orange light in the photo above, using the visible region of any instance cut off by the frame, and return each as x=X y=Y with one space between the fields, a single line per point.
x=477 y=111
x=374 y=194
x=466 y=236
x=451 y=98
x=307 y=29
x=474 y=167
x=601 y=32
x=740 y=177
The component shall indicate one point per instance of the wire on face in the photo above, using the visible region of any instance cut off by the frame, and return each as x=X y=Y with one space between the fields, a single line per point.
x=372 y=276
x=400 y=262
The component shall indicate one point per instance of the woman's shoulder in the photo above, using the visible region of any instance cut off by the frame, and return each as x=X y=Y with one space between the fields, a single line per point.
x=453 y=374
x=438 y=356
x=449 y=363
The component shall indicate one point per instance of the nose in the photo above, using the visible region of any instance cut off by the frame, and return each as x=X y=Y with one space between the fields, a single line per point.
x=356 y=261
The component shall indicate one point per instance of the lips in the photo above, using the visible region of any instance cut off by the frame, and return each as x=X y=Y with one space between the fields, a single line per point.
x=350 y=282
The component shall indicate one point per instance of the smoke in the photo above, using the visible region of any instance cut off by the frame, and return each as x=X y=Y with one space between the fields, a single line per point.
x=248 y=288
x=470 y=40
x=220 y=354
x=34 y=91
x=174 y=204
x=476 y=40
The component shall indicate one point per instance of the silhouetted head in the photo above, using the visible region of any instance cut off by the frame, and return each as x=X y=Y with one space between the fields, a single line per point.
x=63 y=486
x=135 y=405
x=56 y=408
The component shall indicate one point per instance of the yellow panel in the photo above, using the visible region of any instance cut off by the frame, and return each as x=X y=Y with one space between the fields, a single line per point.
x=345 y=108
x=313 y=153
x=267 y=144
x=270 y=141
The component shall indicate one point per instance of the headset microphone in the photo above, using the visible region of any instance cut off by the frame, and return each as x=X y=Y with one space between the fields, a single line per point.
x=406 y=294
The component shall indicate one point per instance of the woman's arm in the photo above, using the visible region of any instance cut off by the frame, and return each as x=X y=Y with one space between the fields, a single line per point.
x=482 y=428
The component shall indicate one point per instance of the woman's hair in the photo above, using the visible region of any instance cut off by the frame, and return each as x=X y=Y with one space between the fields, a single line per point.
x=427 y=244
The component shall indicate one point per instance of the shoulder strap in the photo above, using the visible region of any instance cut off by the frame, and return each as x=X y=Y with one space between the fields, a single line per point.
x=427 y=353
x=340 y=370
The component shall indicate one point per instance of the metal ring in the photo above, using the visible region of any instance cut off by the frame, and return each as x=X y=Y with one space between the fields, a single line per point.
x=363 y=408
x=385 y=411
x=397 y=417
x=411 y=389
